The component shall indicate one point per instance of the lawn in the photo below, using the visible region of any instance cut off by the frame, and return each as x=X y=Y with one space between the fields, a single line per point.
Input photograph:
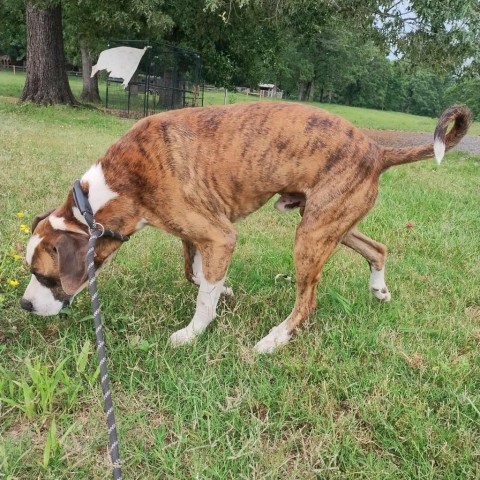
x=12 y=85
x=364 y=391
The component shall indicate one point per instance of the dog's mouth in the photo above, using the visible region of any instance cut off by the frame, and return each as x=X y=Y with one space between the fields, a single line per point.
x=61 y=307
x=66 y=304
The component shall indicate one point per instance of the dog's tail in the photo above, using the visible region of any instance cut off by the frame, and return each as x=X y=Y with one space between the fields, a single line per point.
x=462 y=118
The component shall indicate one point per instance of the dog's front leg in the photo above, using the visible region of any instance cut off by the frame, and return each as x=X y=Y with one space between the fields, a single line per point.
x=193 y=266
x=205 y=312
x=209 y=269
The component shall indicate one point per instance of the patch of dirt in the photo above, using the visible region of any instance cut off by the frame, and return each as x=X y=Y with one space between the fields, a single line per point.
x=415 y=361
x=396 y=138
x=17 y=430
x=473 y=312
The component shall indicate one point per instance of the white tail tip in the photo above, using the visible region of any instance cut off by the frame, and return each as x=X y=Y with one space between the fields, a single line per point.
x=439 y=150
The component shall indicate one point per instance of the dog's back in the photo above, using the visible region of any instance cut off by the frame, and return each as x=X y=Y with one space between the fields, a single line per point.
x=245 y=151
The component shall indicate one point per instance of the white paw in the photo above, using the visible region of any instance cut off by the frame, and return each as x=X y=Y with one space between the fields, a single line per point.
x=277 y=337
x=382 y=294
x=182 y=337
x=378 y=286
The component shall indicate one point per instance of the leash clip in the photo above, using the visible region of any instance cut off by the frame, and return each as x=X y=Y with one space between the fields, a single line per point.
x=96 y=227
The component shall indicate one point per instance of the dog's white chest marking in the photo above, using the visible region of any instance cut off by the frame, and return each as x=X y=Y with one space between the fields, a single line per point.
x=31 y=246
x=99 y=193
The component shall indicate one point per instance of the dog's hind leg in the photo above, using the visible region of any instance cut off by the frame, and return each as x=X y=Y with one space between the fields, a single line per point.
x=325 y=222
x=375 y=254
x=215 y=247
x=312 y=249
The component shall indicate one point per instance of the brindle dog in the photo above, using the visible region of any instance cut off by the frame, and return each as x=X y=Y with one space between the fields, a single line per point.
x=194 y=172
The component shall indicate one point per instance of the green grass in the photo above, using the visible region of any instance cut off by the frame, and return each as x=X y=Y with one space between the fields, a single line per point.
x=12 y=85
x=365 y=390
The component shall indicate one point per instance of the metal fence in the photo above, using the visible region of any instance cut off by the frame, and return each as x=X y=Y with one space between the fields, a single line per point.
x=168 y=77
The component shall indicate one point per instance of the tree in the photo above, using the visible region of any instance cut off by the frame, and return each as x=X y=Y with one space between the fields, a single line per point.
x=424 y=93
x=327 y=49
x=465 y=91
x=47 y=81
x=441 y=35
x=12 y=32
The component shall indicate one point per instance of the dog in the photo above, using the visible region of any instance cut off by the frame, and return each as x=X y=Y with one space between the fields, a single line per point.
x=194 y=172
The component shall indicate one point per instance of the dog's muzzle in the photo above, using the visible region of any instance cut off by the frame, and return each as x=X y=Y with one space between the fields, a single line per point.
x=28 y=305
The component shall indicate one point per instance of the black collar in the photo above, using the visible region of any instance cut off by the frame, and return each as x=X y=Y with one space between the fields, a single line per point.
x=82 y=203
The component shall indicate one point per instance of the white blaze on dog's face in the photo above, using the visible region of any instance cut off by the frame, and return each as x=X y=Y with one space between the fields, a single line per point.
x=56 y=256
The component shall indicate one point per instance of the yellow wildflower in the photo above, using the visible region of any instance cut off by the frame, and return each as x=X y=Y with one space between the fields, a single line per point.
x=24 y=228
x=13 y=283
x=16 y=256
x=20 y=214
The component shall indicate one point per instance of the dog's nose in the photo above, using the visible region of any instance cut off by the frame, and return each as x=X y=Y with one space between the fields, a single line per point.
x=26 y=305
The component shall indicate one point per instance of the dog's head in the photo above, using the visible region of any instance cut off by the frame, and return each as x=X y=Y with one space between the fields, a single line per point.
x=56 y=255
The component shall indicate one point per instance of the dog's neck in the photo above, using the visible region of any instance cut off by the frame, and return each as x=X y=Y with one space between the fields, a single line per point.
x=116 y=215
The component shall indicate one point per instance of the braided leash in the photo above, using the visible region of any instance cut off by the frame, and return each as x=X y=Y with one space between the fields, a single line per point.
x=96 y=231
x=102 y=358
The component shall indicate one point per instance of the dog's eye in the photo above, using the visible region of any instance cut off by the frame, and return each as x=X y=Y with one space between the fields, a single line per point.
x=46 y=281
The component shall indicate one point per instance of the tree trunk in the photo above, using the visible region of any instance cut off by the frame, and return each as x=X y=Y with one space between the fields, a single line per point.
x=301 y=89
x=310 y=91
x=90 y=91
x=47 y=81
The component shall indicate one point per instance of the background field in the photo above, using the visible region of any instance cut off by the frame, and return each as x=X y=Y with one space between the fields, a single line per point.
x=365 y=391
x=12 y=85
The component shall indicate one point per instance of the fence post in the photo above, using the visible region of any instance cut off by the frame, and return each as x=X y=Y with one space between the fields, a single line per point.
x=225 y=94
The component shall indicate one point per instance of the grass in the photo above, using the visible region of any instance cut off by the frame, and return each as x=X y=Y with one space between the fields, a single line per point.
x=12 y=85
x=365 y=390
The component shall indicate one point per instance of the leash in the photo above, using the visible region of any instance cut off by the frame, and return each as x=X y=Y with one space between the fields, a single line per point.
x=96 y=231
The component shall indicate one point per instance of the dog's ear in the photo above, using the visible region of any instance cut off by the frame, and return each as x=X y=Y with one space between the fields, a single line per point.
x=40 y=217
x=72 y=261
